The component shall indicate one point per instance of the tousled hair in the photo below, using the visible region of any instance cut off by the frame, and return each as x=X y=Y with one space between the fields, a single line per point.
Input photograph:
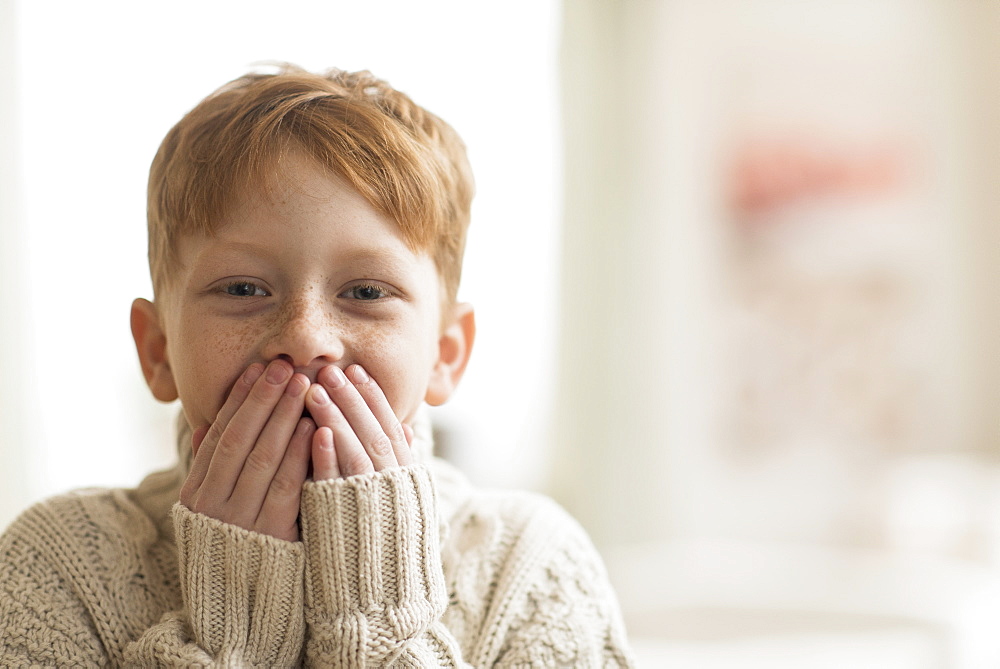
x=406 y=162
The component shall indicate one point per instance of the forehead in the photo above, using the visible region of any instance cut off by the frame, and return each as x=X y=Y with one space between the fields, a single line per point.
x=297 y=183
x=305 y=217
x=301 y=199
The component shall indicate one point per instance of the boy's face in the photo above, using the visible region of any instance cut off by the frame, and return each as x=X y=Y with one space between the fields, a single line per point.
x=313 y=275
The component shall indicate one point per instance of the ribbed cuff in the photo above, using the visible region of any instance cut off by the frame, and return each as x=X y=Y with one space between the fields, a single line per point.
x=373 y=564
x=243 y=590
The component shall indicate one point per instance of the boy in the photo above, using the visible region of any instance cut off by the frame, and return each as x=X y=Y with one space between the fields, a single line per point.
x=305 y=242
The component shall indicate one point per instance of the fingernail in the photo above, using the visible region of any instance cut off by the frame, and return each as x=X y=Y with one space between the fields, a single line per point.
x=252 y=374
x=358 y=374
x=318 y=395
x=336 y=377
x=277 y=373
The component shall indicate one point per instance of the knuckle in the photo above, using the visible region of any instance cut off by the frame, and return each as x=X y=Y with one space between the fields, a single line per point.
x=229 y=443
x=214 y=433
x=259 y=462
x=380 y=445
x=396 y=433
x=285 y=488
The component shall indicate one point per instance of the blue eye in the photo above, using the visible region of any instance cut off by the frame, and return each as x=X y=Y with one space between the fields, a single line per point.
x=244 y=289
x=366 y=292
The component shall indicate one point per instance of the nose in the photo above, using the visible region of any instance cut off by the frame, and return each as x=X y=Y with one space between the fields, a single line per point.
x=306 y=334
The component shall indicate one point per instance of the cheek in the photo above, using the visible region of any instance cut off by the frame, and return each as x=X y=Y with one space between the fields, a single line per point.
x=213 y=350
x=234 y=341
x=399 y=364
x=210 y=361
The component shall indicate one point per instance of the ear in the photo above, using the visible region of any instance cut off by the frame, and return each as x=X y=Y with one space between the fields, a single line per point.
x=151 y=345
x=454 y=349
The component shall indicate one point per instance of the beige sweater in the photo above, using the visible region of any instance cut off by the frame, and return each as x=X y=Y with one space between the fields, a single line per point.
x=408 y=567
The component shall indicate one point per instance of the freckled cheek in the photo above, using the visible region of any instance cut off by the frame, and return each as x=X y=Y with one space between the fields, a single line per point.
x=393 y=361
x=236 y=341
x=216 y=357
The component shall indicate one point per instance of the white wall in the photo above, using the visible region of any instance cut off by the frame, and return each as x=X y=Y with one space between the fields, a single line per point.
x=13 y=324
x=102 y=82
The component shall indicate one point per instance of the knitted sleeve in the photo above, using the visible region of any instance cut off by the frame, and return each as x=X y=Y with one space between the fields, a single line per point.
x=242 y=595
x=87 y=580
x=374 y=587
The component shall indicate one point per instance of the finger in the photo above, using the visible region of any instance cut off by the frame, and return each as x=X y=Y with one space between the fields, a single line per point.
x=375 y=399
x=377 y=444
x=279 y=513
x=206 y=447
x=350 y=454
x=268 y=452
x=197 y=437
x=240 y=436
x=408 y=431
x=324 y=457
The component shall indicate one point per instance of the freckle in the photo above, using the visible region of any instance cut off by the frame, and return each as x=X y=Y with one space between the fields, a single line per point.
x=235 y=340
x=376 y=343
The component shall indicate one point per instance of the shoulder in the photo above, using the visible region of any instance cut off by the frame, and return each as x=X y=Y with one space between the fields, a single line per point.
x=86 y=515
x=50 y=539
x=520 y=534
x=131 y=515
x=524 y=578
x=42 y=616
x=87 y=537
x=498 y=524
x=98 y=546
x=63 y=516
x=82 y=572
x=487 y=511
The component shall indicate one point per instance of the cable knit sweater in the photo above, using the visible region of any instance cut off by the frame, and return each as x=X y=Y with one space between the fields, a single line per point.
x=408 y=567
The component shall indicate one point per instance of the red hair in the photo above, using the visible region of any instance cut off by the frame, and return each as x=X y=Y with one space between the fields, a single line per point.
x=407 y=162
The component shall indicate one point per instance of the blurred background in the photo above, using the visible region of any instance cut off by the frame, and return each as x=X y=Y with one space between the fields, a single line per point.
x=735 y=267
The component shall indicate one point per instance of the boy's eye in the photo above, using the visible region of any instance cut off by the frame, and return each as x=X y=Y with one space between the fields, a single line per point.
x=366 y=292
x=244 y=289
